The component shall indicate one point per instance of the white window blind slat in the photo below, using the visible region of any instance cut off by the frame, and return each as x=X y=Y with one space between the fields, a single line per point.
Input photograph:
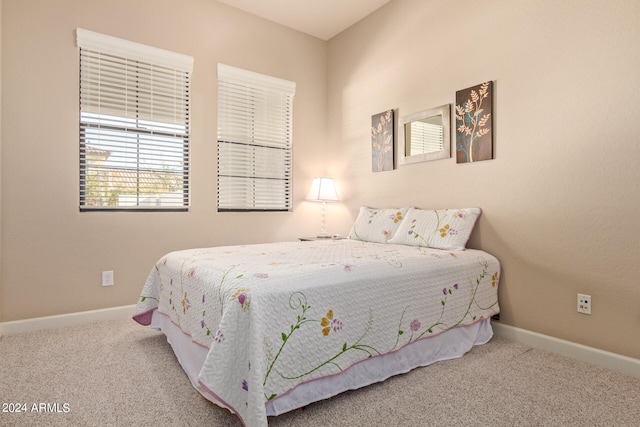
x=254 y=141
x=134 y=125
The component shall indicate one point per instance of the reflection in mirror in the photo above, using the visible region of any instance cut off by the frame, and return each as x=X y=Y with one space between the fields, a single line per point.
x=425 y=136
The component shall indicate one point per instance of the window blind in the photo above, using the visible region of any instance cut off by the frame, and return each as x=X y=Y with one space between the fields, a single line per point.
x=134 y=125
x=254 y=141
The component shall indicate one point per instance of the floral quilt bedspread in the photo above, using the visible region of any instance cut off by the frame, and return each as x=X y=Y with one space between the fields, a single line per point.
x=277 y=315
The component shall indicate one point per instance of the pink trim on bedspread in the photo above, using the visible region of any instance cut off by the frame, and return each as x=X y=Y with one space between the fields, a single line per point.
x=214 y=398
x=183 y=331
x=144 y=318
x=337 y=374
x=202 y=388
x=212 y=395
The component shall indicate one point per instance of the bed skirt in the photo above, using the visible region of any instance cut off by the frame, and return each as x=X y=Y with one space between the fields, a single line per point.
x=451 y=344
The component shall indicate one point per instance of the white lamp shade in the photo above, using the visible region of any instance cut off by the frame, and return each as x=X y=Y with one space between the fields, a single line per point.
x=323 y=190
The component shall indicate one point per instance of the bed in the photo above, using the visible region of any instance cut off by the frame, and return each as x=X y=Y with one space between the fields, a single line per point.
x=263 y=329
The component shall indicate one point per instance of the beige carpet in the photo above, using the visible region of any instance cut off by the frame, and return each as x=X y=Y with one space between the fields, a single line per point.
x=114 y=373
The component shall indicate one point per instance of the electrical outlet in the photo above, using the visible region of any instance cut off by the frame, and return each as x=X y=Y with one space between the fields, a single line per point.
x=107 y=278
x=584 y=304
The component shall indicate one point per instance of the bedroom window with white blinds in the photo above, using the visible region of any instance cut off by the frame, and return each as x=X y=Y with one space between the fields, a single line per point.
x=254 y=141
x=134 y=125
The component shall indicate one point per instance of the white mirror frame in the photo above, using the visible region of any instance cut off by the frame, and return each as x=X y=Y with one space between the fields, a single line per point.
x=445 y=153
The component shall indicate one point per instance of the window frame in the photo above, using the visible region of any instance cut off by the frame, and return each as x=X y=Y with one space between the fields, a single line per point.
x=255 y=142
x=127 y=103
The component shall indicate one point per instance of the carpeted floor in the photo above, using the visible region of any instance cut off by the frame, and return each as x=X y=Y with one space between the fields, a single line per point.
x=114 y=373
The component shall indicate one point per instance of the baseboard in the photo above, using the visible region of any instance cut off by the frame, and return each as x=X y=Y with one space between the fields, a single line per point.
x=64 y=320
x=605 y=359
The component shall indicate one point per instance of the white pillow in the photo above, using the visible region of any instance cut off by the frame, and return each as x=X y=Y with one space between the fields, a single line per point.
x=377 y=225
x=440 y=229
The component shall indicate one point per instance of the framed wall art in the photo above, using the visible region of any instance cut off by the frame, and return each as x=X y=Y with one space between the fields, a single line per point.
x=382 y=142
x=474 y=124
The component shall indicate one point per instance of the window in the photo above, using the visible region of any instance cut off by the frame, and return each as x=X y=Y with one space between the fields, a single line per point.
x=254 y=141
x=134 y=125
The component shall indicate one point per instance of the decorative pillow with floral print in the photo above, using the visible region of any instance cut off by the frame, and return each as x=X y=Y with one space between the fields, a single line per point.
x=448 y=229
x=377 y=225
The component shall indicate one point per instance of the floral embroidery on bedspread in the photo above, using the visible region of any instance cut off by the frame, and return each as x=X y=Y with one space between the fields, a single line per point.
x=298 y=301
x=264 y=317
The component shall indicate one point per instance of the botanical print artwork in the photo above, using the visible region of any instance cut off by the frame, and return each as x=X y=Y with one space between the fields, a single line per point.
x=382 y=141
x=474 y=129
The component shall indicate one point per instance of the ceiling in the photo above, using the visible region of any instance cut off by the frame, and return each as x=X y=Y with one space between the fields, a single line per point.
x=320 y=18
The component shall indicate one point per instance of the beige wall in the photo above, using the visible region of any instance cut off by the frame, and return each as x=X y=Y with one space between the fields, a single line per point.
x=561 y=198
x=53 y=255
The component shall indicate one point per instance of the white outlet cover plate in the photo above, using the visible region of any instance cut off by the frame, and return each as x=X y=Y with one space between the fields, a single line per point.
x=107 y=278
x=584 y=304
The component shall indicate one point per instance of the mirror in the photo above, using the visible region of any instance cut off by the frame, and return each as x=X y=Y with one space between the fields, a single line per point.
x=425 y=136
